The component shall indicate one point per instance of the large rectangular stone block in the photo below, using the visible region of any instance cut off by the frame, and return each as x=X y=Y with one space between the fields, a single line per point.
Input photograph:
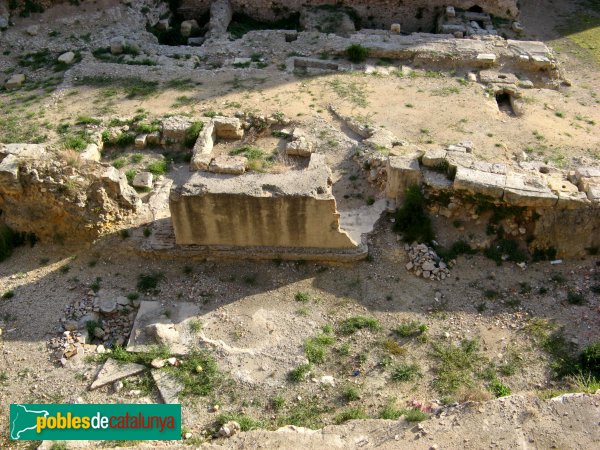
x=478 y=182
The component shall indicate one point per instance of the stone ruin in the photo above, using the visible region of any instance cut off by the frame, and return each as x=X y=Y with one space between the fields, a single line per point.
x=413 y=15
x=250 y=205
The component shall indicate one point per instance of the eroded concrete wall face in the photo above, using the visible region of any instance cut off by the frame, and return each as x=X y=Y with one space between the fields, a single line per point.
x=248 y=221
x=413 y=15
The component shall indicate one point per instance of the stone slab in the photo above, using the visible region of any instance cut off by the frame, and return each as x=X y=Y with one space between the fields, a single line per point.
x=478 y=182
x=150 y=314
x=228 y=127
x=168 y=386
x=434 y=158
x=143 y=180
x=113 y=370
x=234 y=165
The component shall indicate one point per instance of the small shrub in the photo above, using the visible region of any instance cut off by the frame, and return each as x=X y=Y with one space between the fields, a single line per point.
x=499 y=389
x=389 y=412
x=195 y=326
x=393 y=347
x=589 y=359
x=357 y=53
x=406 y=372
x=410 y=329
x=95 y=286
x=8 y=294
x=575 y=298
x=353 y=324
x=125 y=140
x=157 y=168
x=133 y=296
x=299 y=373
x=302 y=297
x=415 y=415
x=277 y=403
x=192 y=133
x=148 y=282
x=412 y=220
x=350 y=414
x=315 y=348
x=491 y=294
x=350 y=394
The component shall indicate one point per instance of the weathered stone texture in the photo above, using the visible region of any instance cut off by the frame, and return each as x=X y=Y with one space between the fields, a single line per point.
x=374 y=14
x=259 y=210
x=58 y=202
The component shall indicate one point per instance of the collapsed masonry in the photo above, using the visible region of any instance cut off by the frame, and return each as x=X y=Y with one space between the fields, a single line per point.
x=413 y=15
x=544 y=207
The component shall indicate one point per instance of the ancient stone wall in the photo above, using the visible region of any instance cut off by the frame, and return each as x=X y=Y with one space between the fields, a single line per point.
x=545 y=208
x=291 y=210
x=413 y=15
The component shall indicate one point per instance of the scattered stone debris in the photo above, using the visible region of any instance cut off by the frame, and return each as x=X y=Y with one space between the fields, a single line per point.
x=229 y=429
x=424 y=262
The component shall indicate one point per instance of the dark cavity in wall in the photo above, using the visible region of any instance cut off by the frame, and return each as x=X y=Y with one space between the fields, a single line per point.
x=504 y=103
x=173 y=36
x=242 y=24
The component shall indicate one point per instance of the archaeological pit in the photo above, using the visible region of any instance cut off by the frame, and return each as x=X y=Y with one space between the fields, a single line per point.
x=309 y=223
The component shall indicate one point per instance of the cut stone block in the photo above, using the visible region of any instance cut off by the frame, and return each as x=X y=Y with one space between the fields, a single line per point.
x=188 y=26
x=168 y=386
x=116 y=183
x=228 y=127
x=436 y=180
x=402 y=172
x=91 y=153
x=117 y=45
x=494 y=77
x=478 y=182
x=201 y=153
x=9 y=170
x=143 y=180
x=200 y=162
x=299 y=147
x=488 y=58
x=153 y=138
x=381 y=138
x=434 y=158
x=140 y=140
x=531 y=191
x=174 y=129
x=593 y=193
x=115 y=370
x=106 y=302
x=572 y=200
x=15 y=81
x=235 y=165
x=24 y=151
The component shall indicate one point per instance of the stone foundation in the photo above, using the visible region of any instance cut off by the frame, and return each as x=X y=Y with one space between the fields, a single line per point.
x=278 y=211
